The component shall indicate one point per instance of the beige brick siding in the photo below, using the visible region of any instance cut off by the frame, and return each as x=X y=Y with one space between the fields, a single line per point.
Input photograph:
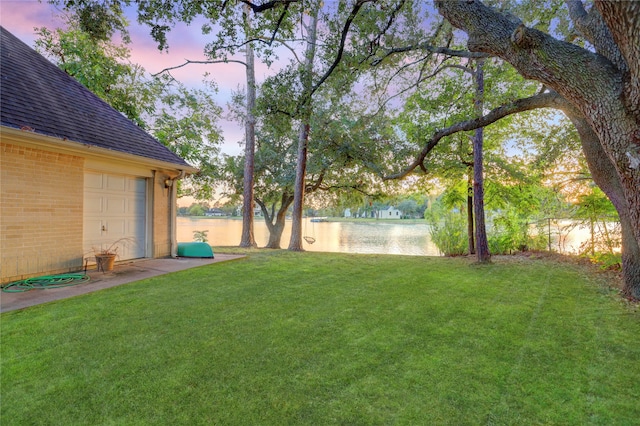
x=161 y=217
x=41 y=208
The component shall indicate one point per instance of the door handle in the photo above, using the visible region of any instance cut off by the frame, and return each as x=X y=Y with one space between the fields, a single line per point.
x=104 y=228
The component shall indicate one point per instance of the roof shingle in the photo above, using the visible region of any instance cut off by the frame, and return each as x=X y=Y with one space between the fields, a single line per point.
x=36 y=94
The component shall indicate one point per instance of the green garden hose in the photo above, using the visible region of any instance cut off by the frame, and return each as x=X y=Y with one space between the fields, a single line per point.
x=44 y=282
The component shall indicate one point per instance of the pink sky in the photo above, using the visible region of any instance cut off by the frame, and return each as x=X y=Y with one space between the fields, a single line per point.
x=21 y=16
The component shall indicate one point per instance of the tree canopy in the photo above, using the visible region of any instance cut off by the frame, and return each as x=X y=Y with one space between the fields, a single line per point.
x=185 y=120
x=576 y=58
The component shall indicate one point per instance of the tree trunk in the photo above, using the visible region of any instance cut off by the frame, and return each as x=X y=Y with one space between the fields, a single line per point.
x=630 y=260
x=295 y=242
x=604 y=175
x=470 y=217
x=602 y=86
x=248 y=238
x=276 y=228
x=482 y=245
x=275 y=235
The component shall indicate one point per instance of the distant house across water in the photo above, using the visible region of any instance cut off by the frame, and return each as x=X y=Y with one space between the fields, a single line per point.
x=215 y=212
x=390 y=213
x=387 y=213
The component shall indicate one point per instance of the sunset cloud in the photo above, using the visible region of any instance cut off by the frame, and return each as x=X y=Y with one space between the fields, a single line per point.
x=21 y=17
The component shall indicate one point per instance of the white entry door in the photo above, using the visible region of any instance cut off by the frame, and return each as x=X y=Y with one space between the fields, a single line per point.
x=115 y=213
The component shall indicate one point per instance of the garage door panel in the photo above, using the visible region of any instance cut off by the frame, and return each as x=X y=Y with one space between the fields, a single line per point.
x=116 y=183
x=117 y=228
x=116 y=205
x=134 y=224
x=137 y=186
x=115 y=208
x=93 y=180
x=126 y=249
x=133 y=248
x=93 y=230
x=93 y=204
x=137 y=207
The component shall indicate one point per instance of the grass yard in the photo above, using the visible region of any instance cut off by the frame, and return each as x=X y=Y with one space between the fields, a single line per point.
x=321 y=339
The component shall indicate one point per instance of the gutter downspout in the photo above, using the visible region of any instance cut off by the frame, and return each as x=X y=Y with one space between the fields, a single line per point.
x=173 y=200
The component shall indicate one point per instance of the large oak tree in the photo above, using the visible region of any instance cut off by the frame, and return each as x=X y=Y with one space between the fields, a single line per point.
x=601 y=87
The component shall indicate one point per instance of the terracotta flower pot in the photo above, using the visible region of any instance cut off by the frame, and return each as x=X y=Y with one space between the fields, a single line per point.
x=104 y=262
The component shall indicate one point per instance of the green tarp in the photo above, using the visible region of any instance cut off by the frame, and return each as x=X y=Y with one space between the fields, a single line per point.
x=194 y=250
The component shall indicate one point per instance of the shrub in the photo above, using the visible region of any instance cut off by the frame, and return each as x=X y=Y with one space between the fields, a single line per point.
x=448 y=231
x=200 y=236
x=510 y=233
x=607 y=261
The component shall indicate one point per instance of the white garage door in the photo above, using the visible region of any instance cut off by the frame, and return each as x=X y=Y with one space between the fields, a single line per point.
x=114 y=210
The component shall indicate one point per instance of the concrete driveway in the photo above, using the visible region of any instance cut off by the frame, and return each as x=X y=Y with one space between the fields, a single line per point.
x=123 y=273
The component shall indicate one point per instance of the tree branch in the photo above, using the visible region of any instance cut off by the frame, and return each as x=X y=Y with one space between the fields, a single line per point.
x=431 y=49
x=257 y=8
x=353 y=187
x=267 y=41
x=317 y=183
x=190 y=62
x=343 y=38
x=280 y=19
x=592 y=27
x=421 y=78
x=621 y=18
x=291 y=49
x=375 y=43
x=534 y=54
x=462 y=68
x=548 y=99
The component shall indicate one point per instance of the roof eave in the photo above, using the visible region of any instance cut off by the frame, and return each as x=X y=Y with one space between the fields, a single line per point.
x=82 y=149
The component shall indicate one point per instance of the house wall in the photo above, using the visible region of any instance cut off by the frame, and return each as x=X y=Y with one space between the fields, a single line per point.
x=42 y=203
x=41 y=207
x=162 y=215
x=390 y=213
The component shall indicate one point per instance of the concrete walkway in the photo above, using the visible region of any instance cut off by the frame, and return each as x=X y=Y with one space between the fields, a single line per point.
x=123 y=273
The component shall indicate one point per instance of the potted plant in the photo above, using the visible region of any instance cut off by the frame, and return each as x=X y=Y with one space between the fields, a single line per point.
x=106 y=257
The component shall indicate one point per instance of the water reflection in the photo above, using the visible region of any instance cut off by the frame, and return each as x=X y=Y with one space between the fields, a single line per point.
x=344 y=237
x=399 y=237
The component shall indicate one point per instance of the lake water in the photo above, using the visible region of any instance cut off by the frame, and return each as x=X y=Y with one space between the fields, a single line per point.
x=344 y=237
x=384 y=237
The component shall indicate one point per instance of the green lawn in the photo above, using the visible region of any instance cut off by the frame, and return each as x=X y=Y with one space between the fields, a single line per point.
x=320 y=339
